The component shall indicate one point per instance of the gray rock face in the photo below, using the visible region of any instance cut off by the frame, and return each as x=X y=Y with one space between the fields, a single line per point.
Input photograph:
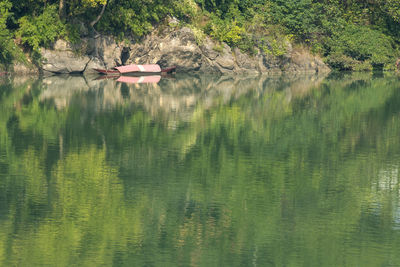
x=304 y=61
x=178 y=47
x=170 y=48
x=209 y=50
x=225 y=59
x=63 y=60
x=94 y=63
x=101 y=52
x=107 y=50
x=173 y=47
x=244 y=61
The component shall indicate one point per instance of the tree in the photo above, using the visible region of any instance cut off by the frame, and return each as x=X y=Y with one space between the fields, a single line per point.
x=392 y=7
x=7 y=46
x=104 y=4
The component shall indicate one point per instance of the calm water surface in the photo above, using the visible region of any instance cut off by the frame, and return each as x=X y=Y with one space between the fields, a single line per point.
x=200 y=171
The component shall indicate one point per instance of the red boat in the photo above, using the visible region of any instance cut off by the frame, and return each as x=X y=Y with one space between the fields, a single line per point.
x=136 y=70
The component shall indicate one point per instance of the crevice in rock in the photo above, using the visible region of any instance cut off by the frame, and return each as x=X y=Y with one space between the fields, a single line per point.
x=84 y=69
x=125 y=55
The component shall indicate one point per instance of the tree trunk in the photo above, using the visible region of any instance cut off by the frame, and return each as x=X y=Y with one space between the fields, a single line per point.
x=99 y=16
x=61 y=10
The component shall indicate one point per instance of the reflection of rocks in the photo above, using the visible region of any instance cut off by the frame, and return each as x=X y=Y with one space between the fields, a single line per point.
x=21 y=80
x=170 y=98
x=60 y=89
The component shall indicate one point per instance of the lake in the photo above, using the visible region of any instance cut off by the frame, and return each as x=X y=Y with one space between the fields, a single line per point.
x=298 y=170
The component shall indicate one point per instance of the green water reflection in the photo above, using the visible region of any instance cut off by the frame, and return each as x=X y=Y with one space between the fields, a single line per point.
x=200 y=171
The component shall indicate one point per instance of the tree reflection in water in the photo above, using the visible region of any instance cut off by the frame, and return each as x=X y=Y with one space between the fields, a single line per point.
x=200 y=171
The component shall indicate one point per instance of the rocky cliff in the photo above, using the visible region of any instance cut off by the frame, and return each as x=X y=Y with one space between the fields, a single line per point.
x=172 y=47
x=180 y=48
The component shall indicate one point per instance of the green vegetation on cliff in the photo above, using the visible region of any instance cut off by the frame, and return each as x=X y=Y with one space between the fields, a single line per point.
x=350 y=35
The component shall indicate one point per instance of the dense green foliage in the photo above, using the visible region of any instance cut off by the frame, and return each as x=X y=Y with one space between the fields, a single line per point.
x=40 y=30
x=7 y=46
x=351 y=35
x=349 y=49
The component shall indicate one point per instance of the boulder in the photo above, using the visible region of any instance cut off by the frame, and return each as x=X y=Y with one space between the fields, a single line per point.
x=170 y=48
x=244 y=61
x=225 y=60
x=108 y=50
x=303 y=61
x=62 y=59
x=209 y=49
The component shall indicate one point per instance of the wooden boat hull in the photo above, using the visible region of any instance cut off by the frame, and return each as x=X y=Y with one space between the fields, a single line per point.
x=137 y=70
x=107 y=72
x=169 y=69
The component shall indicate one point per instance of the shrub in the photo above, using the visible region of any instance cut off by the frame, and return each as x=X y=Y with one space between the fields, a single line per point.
x=198 y=35
x=186 y=9
x=341 y=61
x=136 y=18
x=42 y=30
x=226 y=31
x=360 y=43
x=298 y=16
x=8 y=50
